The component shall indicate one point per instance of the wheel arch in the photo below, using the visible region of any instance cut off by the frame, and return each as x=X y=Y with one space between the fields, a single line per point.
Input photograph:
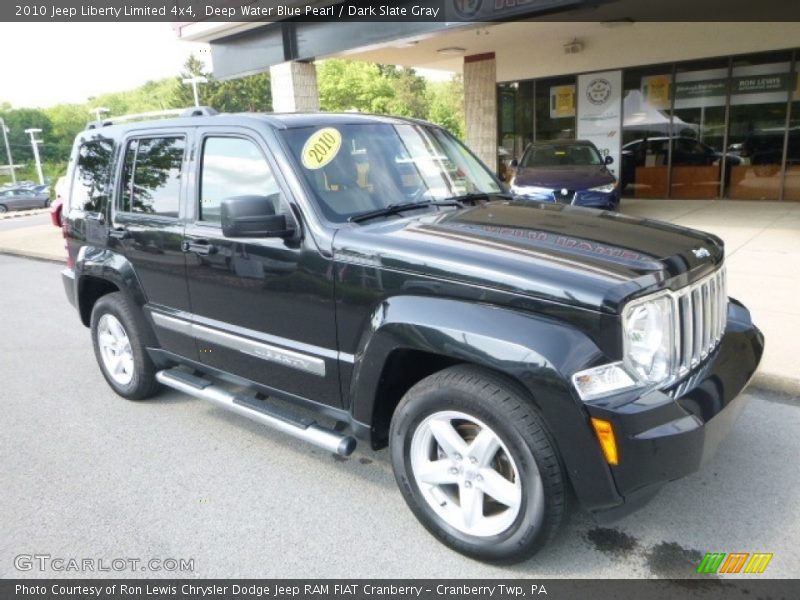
x=535 y=355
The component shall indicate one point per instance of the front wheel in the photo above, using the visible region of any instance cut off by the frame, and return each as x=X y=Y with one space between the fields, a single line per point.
x=3 y=208
x=477 y=466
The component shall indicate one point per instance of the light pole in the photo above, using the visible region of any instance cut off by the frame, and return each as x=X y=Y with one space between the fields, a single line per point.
x=8 y=151
x=97 y=112
x=194 y=81
x=35 y=143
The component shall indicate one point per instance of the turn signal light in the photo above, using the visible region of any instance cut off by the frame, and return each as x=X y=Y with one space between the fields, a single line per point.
x=605 y=435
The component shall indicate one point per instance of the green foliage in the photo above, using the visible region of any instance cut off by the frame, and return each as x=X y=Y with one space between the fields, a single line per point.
x=349 y=85
x=245 y=94
x=446 y=105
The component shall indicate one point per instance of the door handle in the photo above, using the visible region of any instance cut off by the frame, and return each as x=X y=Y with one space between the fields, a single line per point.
x=119 y=233
x=202 y=247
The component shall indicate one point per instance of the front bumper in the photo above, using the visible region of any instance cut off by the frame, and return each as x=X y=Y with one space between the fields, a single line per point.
x=665 y=435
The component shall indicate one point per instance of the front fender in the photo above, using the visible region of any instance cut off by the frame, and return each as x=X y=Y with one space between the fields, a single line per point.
x=539 y=354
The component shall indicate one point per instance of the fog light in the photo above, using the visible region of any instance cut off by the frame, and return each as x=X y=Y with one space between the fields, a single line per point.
x=605 y=435
x=602 y=380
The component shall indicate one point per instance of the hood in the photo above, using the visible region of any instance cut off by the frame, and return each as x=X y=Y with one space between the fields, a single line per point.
x=589 y=258
x=572 y=178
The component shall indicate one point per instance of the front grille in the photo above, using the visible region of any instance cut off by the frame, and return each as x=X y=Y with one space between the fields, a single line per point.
x=563 y=196
x=702 y=314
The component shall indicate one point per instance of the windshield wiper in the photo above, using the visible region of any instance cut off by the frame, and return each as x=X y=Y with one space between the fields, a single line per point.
x=393 y=209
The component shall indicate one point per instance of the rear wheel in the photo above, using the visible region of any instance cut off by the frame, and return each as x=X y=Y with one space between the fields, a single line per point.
x=3 y=208
x=119 y=349
x=477 y=466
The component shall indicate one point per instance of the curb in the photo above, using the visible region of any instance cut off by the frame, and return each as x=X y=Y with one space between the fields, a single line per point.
x=32 y=255
x=23 y=213
x=776 y=383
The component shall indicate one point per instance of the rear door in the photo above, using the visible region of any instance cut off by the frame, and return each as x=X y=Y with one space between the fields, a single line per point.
x=147 y=225
x=263 y=308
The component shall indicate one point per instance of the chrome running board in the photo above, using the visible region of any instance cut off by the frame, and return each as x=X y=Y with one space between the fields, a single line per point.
x=259 y=411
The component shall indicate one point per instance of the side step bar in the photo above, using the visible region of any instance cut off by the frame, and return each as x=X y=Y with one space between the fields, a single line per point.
x=300 y=427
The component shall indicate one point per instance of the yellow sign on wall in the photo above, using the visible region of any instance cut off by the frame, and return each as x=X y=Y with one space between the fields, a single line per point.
x=656 y=91
x=562 y=101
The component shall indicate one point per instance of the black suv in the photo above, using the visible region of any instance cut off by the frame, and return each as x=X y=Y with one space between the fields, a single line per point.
x=345 y=276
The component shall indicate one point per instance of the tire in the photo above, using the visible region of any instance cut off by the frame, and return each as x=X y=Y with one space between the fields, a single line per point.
x=47 y=204
x=478 y=403
x=3 y=208
x=117 y=334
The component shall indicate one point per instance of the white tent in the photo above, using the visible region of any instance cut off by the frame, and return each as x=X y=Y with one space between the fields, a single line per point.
x=640 y=115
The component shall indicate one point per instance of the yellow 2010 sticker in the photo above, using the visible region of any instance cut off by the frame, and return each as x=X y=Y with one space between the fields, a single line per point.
x=321 y=148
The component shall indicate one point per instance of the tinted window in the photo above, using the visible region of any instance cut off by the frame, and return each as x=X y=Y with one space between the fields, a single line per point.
x=151 y=178
x=232 y=167
x=90 y=186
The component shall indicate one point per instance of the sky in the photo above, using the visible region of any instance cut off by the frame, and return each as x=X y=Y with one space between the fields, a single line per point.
x=42 y=64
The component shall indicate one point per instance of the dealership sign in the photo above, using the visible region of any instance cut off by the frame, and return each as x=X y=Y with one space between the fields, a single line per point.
x=600 y=112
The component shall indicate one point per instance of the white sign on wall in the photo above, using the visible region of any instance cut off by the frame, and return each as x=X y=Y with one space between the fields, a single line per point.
x=600 y=111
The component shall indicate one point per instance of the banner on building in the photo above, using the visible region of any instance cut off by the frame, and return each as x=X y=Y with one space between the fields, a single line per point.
x=600 y=112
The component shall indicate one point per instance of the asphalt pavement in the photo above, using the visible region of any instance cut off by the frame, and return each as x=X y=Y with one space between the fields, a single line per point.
x=88 y=475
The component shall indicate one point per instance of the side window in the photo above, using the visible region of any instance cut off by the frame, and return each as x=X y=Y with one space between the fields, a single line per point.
x=90 y=184
x=233 y=167
x=151 y=176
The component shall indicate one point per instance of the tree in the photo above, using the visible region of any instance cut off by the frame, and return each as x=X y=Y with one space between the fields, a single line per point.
x=347 y=85
x=446 y=105
x=409 y=92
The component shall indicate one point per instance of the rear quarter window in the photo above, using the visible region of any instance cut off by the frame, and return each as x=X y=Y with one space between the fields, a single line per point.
x=90 y=184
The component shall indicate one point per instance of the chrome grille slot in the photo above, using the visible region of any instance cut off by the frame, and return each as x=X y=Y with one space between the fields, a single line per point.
x=702 y=314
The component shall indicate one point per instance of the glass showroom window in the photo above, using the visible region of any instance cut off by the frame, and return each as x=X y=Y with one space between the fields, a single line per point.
x=646 y=128
x=791 y=186
x=515 y=101
x=555 y=109
x=698 y=141
x=760 y=87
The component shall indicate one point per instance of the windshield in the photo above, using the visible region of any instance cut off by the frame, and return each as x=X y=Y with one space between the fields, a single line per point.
x=561 y=155
x=355 y=169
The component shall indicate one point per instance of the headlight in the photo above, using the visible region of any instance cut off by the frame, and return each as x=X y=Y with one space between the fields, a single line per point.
x=606 y=189
x=530 y=190
x=648 y=338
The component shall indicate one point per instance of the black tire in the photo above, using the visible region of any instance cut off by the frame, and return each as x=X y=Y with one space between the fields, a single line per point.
x=3 y=208
x=514 y=419
x=142 y=384
x=47 y=203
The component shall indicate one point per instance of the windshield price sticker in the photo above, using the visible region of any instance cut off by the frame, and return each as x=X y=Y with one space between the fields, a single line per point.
x=321 y=148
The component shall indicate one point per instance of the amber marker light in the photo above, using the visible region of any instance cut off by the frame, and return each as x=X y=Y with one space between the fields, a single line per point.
x=605 y=435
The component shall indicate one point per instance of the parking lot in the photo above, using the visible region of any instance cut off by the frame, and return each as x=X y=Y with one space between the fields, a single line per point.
x=88 y=475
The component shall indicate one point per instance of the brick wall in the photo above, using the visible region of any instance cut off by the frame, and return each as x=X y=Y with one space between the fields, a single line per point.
x=294 y=87
x=480 y=100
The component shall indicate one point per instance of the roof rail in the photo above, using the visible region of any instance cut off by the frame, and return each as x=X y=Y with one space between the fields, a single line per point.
x=194 y=111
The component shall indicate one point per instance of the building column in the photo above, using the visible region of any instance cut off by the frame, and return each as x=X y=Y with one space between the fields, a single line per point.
x=294 y=87
x=480 y=106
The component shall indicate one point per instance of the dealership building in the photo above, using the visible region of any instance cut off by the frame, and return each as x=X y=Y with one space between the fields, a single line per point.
x=695 y=108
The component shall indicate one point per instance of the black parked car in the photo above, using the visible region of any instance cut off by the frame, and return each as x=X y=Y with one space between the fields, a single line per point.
x=686 y=152
x=566 y=172
x=22 y=198
x=372 y=271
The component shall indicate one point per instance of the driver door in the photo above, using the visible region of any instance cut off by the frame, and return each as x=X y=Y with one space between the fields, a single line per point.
x=263 y=308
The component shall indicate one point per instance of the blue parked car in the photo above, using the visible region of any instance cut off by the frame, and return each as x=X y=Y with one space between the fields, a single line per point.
x=566 y=172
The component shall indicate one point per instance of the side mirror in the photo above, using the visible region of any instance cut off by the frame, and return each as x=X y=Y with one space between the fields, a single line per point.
x=609 y=159
x=253 y=216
